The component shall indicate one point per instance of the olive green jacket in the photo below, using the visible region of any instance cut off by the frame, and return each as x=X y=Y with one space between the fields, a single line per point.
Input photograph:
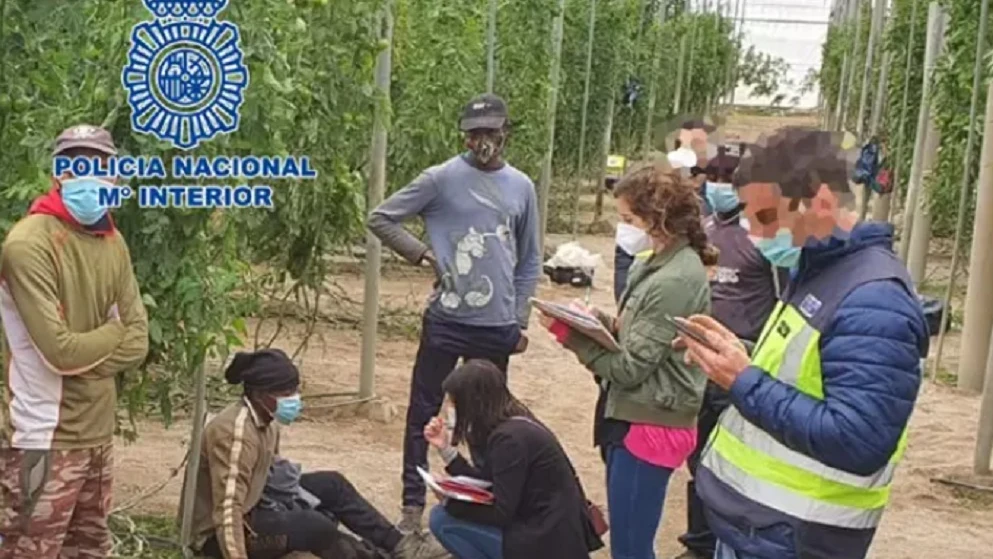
x=647 y=381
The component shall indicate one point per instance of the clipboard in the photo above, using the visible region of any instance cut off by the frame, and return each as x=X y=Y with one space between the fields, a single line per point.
x=460 y=488
x=585 y=323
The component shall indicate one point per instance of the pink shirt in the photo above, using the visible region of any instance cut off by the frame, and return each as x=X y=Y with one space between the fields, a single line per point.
x=666 y=447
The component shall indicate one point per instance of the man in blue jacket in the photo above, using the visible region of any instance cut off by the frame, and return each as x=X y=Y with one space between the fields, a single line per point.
x=801 y=464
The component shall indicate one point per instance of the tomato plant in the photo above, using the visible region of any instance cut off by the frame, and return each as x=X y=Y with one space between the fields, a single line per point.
x=311 y=93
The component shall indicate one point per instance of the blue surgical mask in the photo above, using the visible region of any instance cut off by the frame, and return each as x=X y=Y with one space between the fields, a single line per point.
x=82 y=199
x=779 y=250
x=288 y=409
x=722 y=197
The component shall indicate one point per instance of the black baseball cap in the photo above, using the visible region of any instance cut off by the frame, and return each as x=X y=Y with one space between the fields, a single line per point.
x=484 y=111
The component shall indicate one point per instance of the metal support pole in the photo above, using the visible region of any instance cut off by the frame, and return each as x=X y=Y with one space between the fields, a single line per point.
x=920 y=232
x=978 y=320
x=694 y=33
x=893 y=199
x=853 y=62
x=730 y=16
x=878 y=13
x=677 y=99
x=984 y=436
x=881 y=209
x=608 y=132
x=976 y=342
x=377 y=188
x=935 y=37
x=554 y=75
x=576 y=190
x=193 y=462
x=491 y=46
x=968 y=380
x=646 y=141
x=843 y=78
x=740 y=25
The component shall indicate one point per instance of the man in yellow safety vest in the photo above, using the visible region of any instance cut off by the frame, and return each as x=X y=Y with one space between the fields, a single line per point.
x=801 y=464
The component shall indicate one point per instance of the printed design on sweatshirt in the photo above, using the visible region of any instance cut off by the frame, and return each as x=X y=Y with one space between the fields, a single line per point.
x=725 y=275
x=477 y=289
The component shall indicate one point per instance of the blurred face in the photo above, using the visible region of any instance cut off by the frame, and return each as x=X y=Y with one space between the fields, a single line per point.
x=818 y=218
x=766 y=210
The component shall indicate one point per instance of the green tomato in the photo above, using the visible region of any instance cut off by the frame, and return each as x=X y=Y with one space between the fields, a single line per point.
x=100 y=94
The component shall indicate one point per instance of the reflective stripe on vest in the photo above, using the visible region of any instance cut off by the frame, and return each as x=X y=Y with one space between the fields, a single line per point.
x=764 y=470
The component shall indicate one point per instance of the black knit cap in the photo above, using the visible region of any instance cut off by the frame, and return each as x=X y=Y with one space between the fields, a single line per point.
x=267 y=370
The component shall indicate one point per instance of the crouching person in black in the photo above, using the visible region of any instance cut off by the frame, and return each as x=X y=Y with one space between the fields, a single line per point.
x=539 y=510
x=251 y=504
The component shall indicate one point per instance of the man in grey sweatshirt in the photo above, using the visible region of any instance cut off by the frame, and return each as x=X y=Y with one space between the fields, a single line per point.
x=481 y=218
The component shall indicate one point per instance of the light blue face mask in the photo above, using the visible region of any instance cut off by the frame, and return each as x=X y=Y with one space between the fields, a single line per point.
x=779 y=251
x=288 y=409
x=722 y=197
x=82 y=199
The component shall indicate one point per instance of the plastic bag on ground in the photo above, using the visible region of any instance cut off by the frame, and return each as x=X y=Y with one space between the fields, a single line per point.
x=572 y=264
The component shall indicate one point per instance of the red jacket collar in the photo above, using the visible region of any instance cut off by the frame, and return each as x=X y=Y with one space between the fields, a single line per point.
x=51 y=204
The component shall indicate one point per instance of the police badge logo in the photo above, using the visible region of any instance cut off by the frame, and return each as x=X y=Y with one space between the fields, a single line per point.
x=185 y=74
x=810 y=305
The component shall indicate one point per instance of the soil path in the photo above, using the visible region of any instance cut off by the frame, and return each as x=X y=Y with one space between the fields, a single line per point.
x=925 y=519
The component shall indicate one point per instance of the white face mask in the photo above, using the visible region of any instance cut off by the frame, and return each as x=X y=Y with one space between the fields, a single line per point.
x=631 y=239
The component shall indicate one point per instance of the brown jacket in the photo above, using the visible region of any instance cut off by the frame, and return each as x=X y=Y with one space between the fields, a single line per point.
x=238 y=448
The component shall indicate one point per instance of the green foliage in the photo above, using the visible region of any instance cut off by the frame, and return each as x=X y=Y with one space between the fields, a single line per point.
x=709 y=47
x=952 y=91
x=952 y=99
x=900 y=150
x=312 y=93
x=762 y=72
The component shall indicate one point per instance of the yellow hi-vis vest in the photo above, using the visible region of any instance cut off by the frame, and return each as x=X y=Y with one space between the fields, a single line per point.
x=759 y=467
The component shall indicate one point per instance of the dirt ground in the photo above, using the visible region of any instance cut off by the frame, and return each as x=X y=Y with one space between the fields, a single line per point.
x=925 y=519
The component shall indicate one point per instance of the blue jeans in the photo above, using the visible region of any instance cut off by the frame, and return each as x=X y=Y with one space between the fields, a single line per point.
x=635 y=497
x=465 y=540
x=725 y=552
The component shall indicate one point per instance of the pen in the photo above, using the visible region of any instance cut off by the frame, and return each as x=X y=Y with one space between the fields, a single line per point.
x=589 y=288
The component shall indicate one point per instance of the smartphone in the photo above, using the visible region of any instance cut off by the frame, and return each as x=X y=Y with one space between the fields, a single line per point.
x=684 y=328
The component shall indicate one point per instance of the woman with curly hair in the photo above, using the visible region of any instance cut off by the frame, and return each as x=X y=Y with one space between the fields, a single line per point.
x=646 y=415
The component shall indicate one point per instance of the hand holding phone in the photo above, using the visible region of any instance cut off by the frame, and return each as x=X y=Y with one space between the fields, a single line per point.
x=687 y=330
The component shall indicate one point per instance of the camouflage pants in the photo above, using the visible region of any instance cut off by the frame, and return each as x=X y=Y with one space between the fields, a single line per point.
x=54 y=504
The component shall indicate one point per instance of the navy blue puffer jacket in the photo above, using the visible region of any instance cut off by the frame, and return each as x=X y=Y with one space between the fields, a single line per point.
x=870 y=361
